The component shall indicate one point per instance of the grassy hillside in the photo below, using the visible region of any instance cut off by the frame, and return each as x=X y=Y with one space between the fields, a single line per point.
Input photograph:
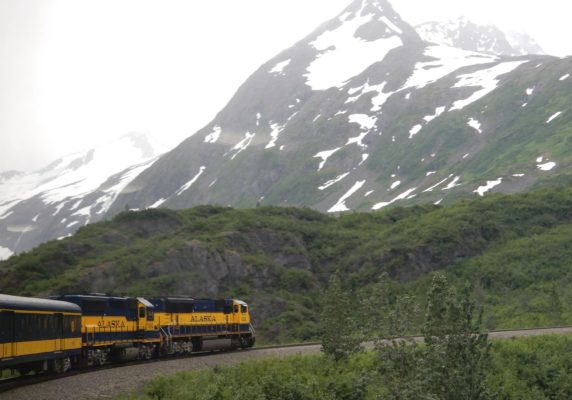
x=514 y=249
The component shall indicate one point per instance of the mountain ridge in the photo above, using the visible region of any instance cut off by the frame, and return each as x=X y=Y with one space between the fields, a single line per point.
x=467 y=35
x=305 y=113
x=70 y=192
x=406 y=122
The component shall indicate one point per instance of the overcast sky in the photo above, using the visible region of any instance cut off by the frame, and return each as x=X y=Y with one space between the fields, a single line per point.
x=77 y=72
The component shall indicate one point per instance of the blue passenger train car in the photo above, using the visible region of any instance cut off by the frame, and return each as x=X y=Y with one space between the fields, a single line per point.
x=38 y=334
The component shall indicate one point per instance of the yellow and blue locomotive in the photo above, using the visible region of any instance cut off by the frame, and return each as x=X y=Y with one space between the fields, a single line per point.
x=186 y=323
x=90 y=330
x=115 y=327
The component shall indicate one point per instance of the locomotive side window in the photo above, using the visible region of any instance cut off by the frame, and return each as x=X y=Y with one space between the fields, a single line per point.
x=243 y=309
x=236 y=309
x=142 y=312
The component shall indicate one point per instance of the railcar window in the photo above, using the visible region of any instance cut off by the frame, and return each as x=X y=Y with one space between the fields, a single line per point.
x=150 y=315
x=236 y=309
x=30 y=327
x=243 y=309
x=142 y=312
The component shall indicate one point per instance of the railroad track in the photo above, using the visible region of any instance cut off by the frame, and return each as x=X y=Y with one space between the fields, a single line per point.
x=109 y=380
x=14 y=383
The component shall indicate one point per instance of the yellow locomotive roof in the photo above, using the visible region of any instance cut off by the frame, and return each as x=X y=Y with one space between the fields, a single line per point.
x=8 y=302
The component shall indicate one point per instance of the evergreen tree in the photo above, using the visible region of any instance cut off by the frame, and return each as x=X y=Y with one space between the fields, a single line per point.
x=340 y=336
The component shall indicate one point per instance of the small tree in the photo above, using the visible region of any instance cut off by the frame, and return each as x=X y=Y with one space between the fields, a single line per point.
x=399 y=357
x=555 y=305
x=374 y=309
x=339 y=332
x=457 y=352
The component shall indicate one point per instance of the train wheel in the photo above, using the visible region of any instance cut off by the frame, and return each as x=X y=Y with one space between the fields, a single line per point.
x=61 y=365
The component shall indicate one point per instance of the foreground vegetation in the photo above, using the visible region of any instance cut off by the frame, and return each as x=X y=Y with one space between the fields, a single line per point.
x=514 y=250
x=455 y=361
x=521 y=369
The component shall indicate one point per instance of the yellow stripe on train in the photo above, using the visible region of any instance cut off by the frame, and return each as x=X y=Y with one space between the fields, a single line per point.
x=17 y=349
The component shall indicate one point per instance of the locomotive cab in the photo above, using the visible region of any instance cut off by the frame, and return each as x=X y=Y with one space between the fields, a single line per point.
x=145 y=314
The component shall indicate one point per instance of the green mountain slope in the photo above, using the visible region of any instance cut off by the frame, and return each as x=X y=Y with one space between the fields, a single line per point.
x=515 y=249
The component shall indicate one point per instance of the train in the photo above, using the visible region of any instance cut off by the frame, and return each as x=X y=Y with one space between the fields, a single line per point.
x=76 y=331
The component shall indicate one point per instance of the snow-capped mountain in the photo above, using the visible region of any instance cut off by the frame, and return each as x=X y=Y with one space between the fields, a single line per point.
x=523 y=43
x=363 y=114
x=467 y=35
x=70 y=192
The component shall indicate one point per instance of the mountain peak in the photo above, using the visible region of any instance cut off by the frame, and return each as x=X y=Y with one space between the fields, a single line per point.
x=468 y=35
x=379 y=20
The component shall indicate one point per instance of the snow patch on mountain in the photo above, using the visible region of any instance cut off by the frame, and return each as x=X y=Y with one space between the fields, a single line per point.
x=243 y=144
x=358 y=140
x=435 y=186
x=402 y=196
x=104 y=202
x=438 y=112
x=276 y=130
x=330 y=68
x=415 y=130
x=278 y=69
x=158 y=203
x=5 y=253
x=553 y=117
x=481 y=190
x=394 y=185
x=476 y=125
x=453 y=183
x=333 y=181
x=363 y=120
x=445 y=60
x=214 y=135
x=188 y=185
x=340 y=206
x=487 y=79
x=563 y=78
x=324 y=155
x=549 y=166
